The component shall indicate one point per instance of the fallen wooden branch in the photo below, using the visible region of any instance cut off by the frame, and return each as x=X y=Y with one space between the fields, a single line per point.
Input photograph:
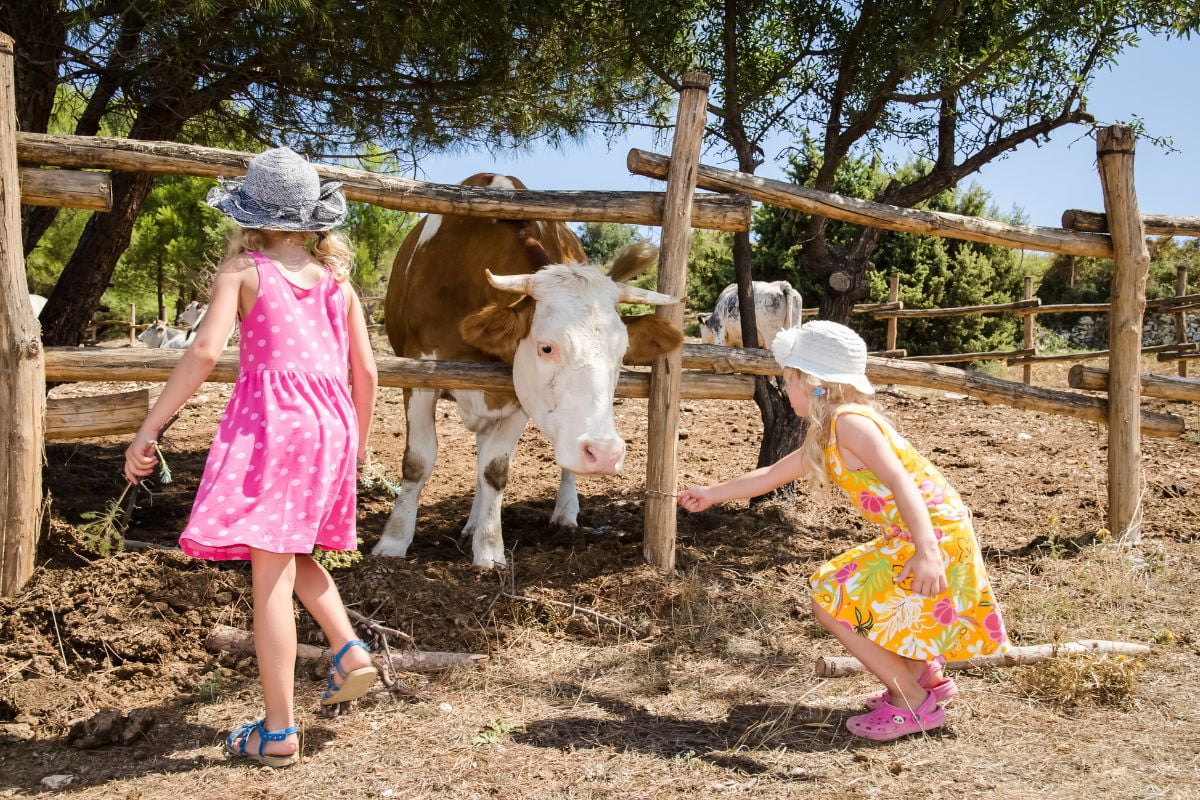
x=376 y=626
x=232 y=640
x=843 y=666
x=621 y=626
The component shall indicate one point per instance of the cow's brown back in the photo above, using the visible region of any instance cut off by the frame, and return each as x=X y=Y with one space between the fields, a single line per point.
x=435 y=286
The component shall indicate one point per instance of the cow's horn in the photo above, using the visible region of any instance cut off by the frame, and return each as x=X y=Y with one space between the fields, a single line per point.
x=633 y=294
x=521 y=284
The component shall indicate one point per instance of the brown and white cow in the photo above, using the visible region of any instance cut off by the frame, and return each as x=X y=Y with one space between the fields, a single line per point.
x=470 y=289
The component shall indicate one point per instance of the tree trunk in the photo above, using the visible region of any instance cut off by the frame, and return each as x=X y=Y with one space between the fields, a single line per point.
x=162 y=300
x=76 y=296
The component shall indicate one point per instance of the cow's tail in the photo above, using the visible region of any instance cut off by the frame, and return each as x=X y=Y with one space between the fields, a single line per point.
x=633 y=261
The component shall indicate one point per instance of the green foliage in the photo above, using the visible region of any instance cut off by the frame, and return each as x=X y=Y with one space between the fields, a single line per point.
x=336 y=559
x=603 y=240
x=1071 y=279
x=710 y=268
x=496 y=731
x=210 y=689
x=103 y=532
x=934 y=272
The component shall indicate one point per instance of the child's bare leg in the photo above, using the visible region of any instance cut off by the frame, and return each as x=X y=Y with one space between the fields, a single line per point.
x=897 y=673
x=319 y=594
x=274 y=576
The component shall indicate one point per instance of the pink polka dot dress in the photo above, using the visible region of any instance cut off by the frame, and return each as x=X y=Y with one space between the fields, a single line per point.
x=281 y=474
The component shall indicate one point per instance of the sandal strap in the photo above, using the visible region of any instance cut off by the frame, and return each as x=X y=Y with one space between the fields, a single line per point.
x=337 y=659
x=235 y=742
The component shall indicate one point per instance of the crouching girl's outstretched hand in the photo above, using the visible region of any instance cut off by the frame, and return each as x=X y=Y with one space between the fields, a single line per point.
x=697 y=498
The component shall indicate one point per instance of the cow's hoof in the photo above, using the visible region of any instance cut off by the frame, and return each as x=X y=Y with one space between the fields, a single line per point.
x=390 y=548
x=486 y=561
x=566 y=520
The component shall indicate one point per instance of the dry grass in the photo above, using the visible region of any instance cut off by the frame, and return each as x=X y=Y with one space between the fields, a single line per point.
x=1083 y=680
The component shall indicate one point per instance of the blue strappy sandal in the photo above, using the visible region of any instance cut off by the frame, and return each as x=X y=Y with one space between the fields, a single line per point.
x=235 y=744
x=354 y=684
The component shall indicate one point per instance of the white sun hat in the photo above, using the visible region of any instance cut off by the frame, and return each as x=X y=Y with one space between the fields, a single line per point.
x=828 y=351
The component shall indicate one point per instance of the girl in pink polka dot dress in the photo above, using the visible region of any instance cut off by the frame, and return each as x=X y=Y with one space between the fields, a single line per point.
x=280 y=476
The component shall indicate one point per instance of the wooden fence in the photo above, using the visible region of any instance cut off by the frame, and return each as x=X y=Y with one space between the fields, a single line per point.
x=1028 y=308
x=25 y=366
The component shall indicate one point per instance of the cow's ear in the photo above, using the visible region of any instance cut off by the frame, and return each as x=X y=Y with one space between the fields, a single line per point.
x=650 y=336
x=499 y=329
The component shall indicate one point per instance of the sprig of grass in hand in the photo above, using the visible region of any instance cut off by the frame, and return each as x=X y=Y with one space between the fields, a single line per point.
x=103 y=532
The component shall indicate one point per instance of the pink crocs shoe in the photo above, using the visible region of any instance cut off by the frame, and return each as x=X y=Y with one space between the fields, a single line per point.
x=942 y=691
x=889 y=722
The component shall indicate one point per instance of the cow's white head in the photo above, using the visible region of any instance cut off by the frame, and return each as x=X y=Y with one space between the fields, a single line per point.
x=154 y=335
x=565 y=341
x=192 y=315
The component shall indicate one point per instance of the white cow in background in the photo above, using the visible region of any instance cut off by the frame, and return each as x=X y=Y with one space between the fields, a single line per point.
x=163 y=336
x=777 y=306
x=37 y=303
x=191 y=316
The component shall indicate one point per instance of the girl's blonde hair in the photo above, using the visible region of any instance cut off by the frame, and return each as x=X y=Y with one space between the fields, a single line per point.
x=330 y=248
x=820 y=422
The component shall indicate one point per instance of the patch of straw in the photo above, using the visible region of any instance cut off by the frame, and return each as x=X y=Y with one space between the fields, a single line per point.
x=1071 y=681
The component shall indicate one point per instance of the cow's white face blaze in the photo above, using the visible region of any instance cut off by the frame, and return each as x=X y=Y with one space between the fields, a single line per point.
x=565 y=368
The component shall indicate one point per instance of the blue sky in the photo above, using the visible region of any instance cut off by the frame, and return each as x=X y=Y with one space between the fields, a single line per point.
x=1043 y=181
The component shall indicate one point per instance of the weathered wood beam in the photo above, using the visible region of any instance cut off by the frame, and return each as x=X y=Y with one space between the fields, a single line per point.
x=98 y=415
x=880 y=215
x=1093 y=354
x=387 y=191
x=66 y=188
x=22 y=379
x=961 y=311
x=1097 y=222
x=1094 y=379
x=987 y=355
x=66 y=364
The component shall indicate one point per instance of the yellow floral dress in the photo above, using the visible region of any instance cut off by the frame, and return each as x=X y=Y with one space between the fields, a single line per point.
x=858 y=589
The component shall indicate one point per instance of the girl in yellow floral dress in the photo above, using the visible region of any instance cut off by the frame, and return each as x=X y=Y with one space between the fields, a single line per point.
x=917 y=594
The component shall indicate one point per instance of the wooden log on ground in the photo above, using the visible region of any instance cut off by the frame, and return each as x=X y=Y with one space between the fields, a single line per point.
x=66 y=188
x=1131 y=259
x=386 y=191
x=1088 y=355
x=1094 y=379
x=844 y=666
x=98 y=415
x=880 y=215
x=66 y=364
x=987 y=355
x=1157 y=224
x=963 y=311
x=22 y=376
x=662 y=430
x=223 y=638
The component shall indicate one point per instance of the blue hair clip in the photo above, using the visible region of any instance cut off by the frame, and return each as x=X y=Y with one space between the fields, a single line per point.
x=819 y=391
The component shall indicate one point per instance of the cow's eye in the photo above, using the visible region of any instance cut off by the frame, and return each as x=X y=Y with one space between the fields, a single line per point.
x=545 y=349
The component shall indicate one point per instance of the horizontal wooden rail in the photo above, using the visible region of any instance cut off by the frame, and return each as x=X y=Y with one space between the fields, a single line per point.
x=66 y=364
x=1168 y=356
x=880 y=215
x=884 y=371
x=65 y=188
x=1088 y=355
x=98 y=415
x=88 y=364
x=990 y=355
x=387 y=191
x=862 y=308
x=1097 y=222
x=1094 y=379
x=961 y=311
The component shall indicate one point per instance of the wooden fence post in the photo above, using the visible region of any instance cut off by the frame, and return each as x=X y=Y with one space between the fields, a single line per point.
x=1114 y=150
x=663 y=429
x=132 y=324
x=1028 y=342
x=893 y=323
x=22 y=365
x=1181 y=334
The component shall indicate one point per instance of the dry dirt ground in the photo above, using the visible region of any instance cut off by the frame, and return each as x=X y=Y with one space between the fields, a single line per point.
x=715 y=697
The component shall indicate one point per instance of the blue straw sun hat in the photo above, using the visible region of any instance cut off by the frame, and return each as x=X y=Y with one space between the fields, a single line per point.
x=281 y=192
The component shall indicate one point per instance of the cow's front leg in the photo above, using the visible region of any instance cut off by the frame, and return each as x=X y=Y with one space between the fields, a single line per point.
x=566 y=502
x=496 y=445
x=420 y=454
